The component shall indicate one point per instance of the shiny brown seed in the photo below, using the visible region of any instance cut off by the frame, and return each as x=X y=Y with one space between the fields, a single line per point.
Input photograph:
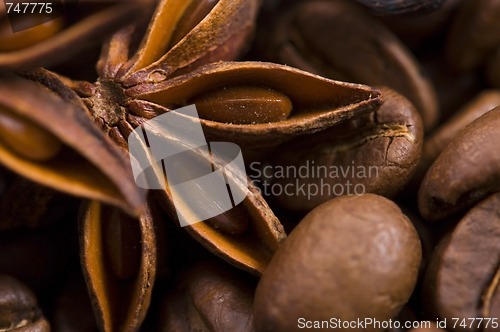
x=244 y=105
x=26 y=138
x=122 y=243
x=13 y=41
x=234 y=222
x=119 y=305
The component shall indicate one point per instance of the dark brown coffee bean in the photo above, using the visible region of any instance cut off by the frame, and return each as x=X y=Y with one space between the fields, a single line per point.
x=376 y=153
x=307 y=36
x=474 y=34
x=463 y=279
x=427 y=326
x=439 y=139
x=18 y=308
x=466 y=171
x=212 y=297
x=350 y=258
x=415 y=30
x=402 y=7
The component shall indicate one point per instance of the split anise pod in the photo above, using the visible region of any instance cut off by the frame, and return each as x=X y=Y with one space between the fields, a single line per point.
x=119 y=264
x=46 y=44
x=53 y=141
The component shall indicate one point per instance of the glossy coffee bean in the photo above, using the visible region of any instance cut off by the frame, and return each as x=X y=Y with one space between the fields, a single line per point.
x=427 y=327
x=463 y=278
x=350 y=258
x=402 y=7
x=210 y=297
x=441 y=137
x=376 y=153
x=18 y=308
x=473 y=36
x=466 y=171
x=307 y=36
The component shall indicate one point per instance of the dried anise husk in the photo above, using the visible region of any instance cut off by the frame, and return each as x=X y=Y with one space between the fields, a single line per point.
x=61 y=38
x=58 y=145
x=119 y=264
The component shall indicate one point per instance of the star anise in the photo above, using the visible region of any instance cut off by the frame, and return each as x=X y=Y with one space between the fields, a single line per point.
x=72 y=136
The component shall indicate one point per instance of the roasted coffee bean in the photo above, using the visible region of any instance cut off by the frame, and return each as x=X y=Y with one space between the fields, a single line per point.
x=376 y=153
x=244 y=105
x=439 y=139
x=308 y=36
x=415 y=30
x=350 y=258
x=463 y=279
x=18 y=308
x=402 y=7
x=211 y=297
x=473 y=36
x=466 y=171
x=427 y=326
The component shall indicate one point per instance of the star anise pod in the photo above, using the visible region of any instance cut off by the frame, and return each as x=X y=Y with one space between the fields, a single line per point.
x=72 y=135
